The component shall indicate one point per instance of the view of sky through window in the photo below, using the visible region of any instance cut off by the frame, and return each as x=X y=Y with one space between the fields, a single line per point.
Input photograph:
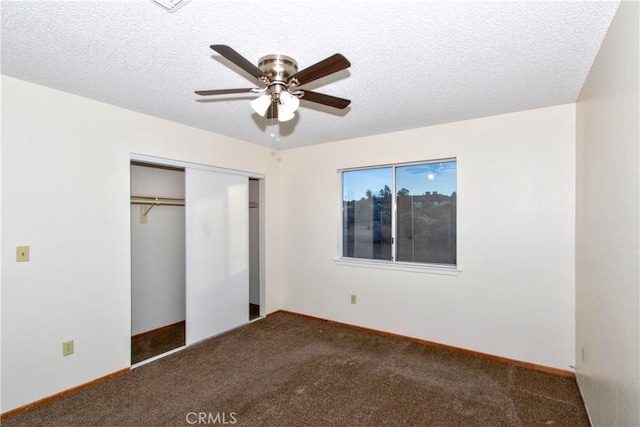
x=356 y=183
x=418 y=179
x=430 y=177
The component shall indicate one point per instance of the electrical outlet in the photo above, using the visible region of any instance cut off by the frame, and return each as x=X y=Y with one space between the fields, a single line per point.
x=582 y=353
x=67 y=348
x=22 y=253
x=353 y=299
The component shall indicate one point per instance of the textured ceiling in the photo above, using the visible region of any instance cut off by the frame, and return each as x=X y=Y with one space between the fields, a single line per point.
x=414 y=63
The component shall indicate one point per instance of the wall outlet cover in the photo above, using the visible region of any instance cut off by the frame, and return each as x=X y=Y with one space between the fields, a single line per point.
x=67 y=348
x=22 y=253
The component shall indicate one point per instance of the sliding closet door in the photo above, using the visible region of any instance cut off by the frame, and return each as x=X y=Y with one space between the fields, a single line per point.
x=217 y=251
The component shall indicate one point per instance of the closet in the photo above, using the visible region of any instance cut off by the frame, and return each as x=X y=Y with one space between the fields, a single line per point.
x=157 y=260
x=197 y=266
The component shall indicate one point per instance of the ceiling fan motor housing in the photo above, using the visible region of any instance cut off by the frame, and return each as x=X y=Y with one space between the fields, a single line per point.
x=278 y=67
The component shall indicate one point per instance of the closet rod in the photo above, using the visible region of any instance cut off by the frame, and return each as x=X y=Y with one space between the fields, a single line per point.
x=157 y=201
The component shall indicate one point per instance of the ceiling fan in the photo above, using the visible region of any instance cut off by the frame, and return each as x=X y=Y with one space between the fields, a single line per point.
x=280 y=82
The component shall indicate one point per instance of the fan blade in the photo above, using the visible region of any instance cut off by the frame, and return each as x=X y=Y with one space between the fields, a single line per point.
x=331 y=65
x=321 y=98
x=272 y=112
x=238 y=59
x=222 y=91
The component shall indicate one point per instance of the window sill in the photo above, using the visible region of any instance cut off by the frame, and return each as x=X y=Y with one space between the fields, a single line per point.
x=399 y=266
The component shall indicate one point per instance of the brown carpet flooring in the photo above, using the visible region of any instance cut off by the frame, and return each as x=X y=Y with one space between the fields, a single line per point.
x=149 y=344
x=288 y=370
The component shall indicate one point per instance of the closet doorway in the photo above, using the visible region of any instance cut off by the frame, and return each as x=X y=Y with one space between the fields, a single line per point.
x=254 y=249
x=157 y=260
x=200 y=273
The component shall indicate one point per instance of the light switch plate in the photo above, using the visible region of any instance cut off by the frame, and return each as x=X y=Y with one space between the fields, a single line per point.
x=22 y=253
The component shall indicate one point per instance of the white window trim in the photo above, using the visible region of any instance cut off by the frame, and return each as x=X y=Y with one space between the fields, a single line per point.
x=444 y=270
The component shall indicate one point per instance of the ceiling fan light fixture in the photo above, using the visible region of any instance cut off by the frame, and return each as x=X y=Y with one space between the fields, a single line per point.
x=284 y=115
x=289 y=102
x=261 y=104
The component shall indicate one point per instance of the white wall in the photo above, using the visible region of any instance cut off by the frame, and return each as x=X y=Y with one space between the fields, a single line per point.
x=607 y=228
x=65 y=192
x=157 y=251
x=515 y=295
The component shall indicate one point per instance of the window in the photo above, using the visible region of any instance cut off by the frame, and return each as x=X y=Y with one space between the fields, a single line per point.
x=404 y=213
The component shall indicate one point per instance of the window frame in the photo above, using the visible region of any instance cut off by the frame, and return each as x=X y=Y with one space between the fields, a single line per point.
x=392 y=264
